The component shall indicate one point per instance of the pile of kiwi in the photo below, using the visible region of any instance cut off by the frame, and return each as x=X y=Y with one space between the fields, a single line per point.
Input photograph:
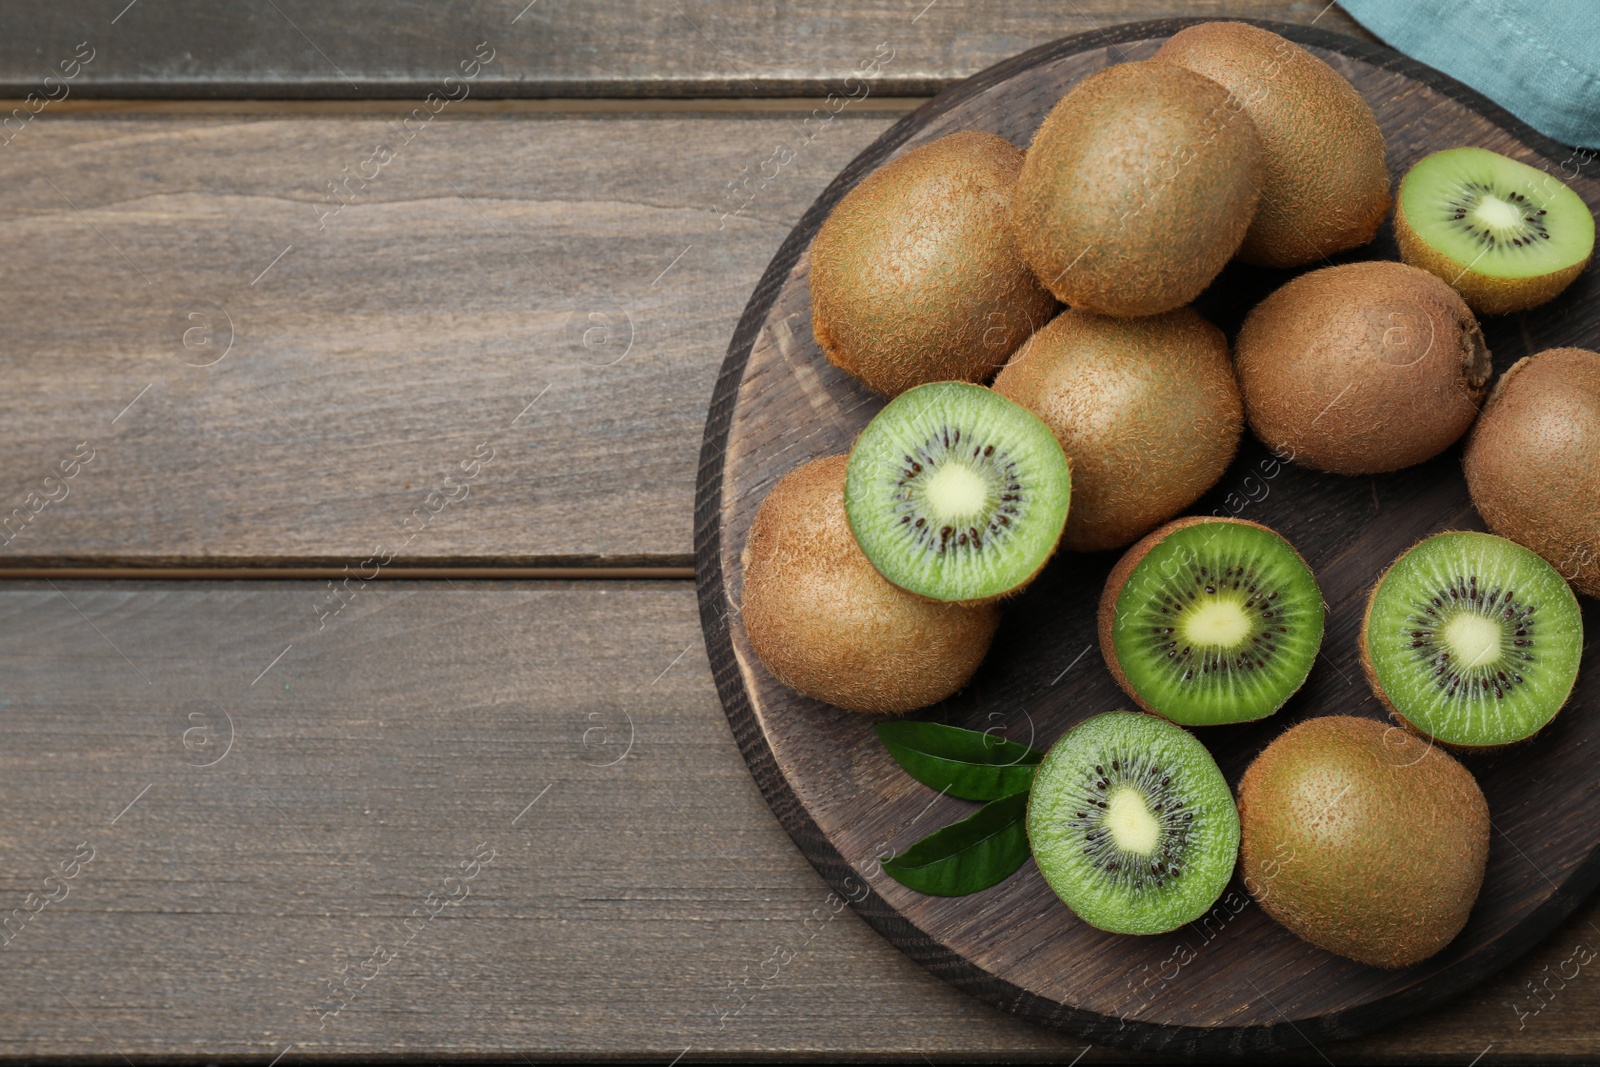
x=873 y=581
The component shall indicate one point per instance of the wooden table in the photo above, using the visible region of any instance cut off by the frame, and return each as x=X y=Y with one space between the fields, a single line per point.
x=354 y=698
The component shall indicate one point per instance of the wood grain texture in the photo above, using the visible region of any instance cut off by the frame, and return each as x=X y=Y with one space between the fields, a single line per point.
x=376 y=752
x=380 y=48
x=1243 y=982
x=619 y=917
x=587 y=262
x=366 y=764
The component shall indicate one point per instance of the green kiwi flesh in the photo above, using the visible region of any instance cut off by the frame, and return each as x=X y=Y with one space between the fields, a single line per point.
x=1533 y=461
x=1363 y=839
x=1147 y=411
x=1132 y=824
x=1211 y=621
x=956 y=493
x=1472 y=640
x=827 y=624
x=915 y=275
x=1505 y=235
x=1137 y=189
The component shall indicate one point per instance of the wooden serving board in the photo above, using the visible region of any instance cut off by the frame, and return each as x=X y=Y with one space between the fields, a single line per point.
x=1235 y=981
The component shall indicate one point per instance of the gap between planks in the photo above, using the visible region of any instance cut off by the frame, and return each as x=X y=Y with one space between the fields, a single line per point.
x=881 y=105
x=248 y=573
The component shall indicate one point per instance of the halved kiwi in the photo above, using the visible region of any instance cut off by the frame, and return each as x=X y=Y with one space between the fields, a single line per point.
x=1505 y=235
x=1132 y=824
x=1472 y=639
x=956 y=493
x=1210 y=621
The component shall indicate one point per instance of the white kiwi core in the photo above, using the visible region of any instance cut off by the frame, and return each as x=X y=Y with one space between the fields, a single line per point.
x=1497 y=214
x=1219 y=623
x=956 y=491
x=1132 y=826
x=1473 y=640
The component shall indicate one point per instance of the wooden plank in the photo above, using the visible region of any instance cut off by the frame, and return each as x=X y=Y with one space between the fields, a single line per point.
x=368 y=761
x=533 y=306
x=373 y=48
x=621 y=915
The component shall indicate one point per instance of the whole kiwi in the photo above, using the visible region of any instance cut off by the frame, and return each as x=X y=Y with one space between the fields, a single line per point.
x=915 y=275
x=1326 y=185
x=1137 y=189
x=826 y=623
x=1363 y=839
x=1533 y=461
x=1361 y=368
x=1146 y=409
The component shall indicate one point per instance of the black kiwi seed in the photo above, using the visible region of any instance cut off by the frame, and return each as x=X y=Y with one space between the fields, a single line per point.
x=1133 y=871
x=1472 y=639
x=1211 y=621
x=1432 y=653
x=956 y=493
x=1531 y=227
x=1132 y=824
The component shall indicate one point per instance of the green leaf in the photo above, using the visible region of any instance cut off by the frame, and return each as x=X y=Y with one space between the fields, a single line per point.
x=962 y=763
x=964 y=857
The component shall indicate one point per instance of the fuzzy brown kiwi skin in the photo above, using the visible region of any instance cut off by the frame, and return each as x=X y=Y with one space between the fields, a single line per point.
x=1362 y=368
x=1137 y=189
x=1326 y=184
x=1533 y=461
x=1484 y=294
x=1147 y=411
x=828 y=625
x=1107 y=615
x=915 y=275
x=1410 y=895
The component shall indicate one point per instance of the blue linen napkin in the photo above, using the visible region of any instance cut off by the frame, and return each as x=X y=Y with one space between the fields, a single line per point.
x=1538 y=59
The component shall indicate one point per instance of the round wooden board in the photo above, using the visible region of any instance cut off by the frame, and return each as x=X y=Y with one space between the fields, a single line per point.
x=1235 y=981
